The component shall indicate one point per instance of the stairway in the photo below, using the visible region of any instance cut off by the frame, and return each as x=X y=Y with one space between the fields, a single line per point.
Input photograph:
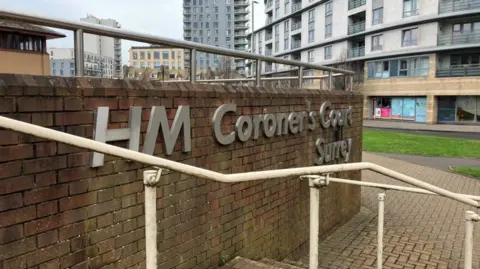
x=264 y=263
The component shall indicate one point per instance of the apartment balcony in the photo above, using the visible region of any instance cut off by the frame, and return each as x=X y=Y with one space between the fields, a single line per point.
x=241 y=18
x=268 y=52
x=356 y=28
x=268 y=20
x=459 y=38
x=268 y=68
x=268 y=36
x=296 y=26
x=187 y=3
x=187 y=34
x=296 y=7
x=241 y=42
x=241 y=33
x=187 y=18
x=240 y=64
x=187 y=11
x=296 y=44
x=356 y=3
x=240 y=26
x=240 y=3
x=471 y=70
x=356 y=52
x=240 y=10
x=447 y=6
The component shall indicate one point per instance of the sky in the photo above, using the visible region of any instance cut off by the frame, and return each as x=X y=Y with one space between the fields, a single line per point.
x=156 y=17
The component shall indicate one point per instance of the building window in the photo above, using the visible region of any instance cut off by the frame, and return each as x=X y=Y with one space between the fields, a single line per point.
x=165 y=55
x=142 y=55
x=311 y=26
x=377 y=42
x=377 y=16
x=409 y=37
x=61 y=72
x=149 y=55
x=407 y=67
x=311 y=56
x=156 y=55
x=328 y=8
x=287 y=6
x=328 y=30
x=285 y=44
x=410 y=8
x=328 y=52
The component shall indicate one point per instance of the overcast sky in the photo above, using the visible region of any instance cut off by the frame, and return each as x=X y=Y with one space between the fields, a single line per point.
x=158 y=17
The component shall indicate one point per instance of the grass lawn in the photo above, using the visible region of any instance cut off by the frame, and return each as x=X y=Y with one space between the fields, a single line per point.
x=426 y=145
x=469 y=171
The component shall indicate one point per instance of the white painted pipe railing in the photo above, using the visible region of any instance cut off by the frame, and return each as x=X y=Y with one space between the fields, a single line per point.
x=381 y=214
x=151 y=178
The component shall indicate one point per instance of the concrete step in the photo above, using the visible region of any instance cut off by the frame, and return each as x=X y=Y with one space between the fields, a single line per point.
x=295 y=263
x=264 y=263
x=279 y=265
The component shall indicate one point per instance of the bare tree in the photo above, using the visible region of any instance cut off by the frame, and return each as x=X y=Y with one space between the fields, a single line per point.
x=226 y=68
x=343 y=82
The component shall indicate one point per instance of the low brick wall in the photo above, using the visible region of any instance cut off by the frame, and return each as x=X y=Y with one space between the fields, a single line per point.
x=57 y=212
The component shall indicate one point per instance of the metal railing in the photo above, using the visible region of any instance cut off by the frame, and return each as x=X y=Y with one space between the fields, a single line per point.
x=356 y=27
x=318 y=177
x=296 y=25
x=409 y=13
x=469 y=70
x=459 y=38
x=80 y=28
x=269 y=4
x=296 y=6
x=268 y=36
x=356 y=3
x=356 y=52
x=268 y=20
x=296 y=44
x=447 y=6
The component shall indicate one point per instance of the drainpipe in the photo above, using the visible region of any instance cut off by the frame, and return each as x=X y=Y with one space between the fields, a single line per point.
x=470 y=217
x=150 y=180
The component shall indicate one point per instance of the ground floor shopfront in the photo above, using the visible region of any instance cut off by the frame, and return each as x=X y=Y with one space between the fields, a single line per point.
x=425 y=109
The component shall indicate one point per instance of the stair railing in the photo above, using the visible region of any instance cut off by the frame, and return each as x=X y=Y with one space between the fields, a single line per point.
x=318 y=177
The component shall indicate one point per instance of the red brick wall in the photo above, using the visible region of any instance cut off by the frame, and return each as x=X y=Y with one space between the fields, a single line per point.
x=56 y=212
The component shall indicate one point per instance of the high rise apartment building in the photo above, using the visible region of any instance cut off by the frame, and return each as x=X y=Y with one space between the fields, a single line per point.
x=222 y=23
x=418 y=59
x=105 y=46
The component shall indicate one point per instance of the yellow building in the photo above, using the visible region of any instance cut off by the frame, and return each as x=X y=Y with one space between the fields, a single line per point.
x=157 y=56
x=23 y=48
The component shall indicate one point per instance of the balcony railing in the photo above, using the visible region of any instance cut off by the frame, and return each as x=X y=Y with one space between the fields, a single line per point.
x=268 y=37
x=447 y=6
x=409 y=13
x=296 y=44
x=296 y=6
x=459 y=71
x=377 y=48
x=268 y=52
x=356 y=52
x=296 y=26
x=241 y=3
x=459 y=39
x=356 y=28
x=269 y=4
x=268 y=20
x=356 y=3
x=240 y=26
x=268 y=68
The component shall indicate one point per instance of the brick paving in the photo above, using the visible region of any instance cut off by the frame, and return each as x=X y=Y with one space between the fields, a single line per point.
x=421 y=231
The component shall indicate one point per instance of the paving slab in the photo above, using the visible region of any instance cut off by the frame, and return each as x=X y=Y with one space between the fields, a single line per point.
x=421 y=231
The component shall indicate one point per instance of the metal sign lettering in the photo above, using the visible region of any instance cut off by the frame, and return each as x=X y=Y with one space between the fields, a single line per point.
x=245 y=128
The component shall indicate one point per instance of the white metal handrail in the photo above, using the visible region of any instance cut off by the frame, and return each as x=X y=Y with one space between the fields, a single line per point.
x=151 y=178
x=80 y=28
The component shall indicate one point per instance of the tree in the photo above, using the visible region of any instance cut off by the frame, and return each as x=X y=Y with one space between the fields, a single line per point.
x=343 y=82
x=226 y=68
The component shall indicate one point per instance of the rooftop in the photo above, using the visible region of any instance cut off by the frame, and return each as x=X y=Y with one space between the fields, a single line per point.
x=11 y=25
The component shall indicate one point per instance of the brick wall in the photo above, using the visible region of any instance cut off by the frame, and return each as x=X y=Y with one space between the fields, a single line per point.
x=57 y=212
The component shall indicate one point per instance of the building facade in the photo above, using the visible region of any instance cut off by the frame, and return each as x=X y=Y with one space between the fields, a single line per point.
x=222 y=23
x=417 y=60
x=105 y=46
x=62 y=63
x=155 y=57
x=23 y=48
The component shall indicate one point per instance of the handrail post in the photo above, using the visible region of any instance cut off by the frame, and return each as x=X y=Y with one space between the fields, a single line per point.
x=315 y=183
x=381 y=214
x=470 y=217
x=193 y=66
x=150 y=180
x=258 y=75
x=300 y=77
x=79 y=53
x=351 y=82
x=330 y=81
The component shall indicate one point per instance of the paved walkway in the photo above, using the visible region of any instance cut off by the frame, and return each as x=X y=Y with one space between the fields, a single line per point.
x=441 y=163
x=421 y=126
x=421 y=231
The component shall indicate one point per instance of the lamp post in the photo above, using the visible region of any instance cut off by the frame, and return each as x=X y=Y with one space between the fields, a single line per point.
x=253 y=29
